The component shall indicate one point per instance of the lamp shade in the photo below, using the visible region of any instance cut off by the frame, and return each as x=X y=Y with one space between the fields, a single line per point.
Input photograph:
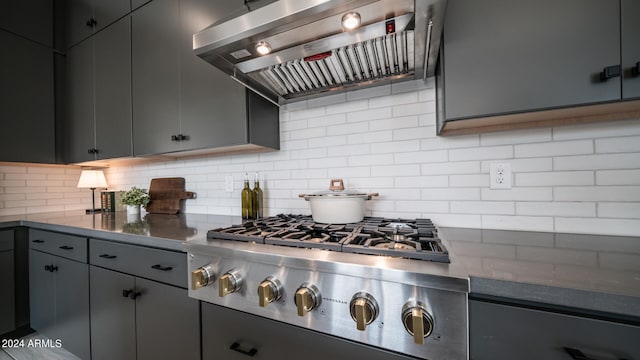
x=92 y=179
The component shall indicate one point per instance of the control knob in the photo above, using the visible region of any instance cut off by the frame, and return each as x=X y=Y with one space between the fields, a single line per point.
x=269 y=290
x=307 y=298
x=229 y=282
x=417 y=321
x=202 y=277
x=364 y=309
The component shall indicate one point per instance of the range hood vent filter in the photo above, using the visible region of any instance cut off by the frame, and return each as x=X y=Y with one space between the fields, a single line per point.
x=385 y=57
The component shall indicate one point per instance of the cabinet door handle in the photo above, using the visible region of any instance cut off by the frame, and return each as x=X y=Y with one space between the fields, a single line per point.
x=92 y=22
x=635 y=71
x=236 y=347
x=126 y=292
x=50 y=268
x=38 y=241
x=66 y=247
x=135 y=295
x=162 y=268
x=577 y=354
x=107 y=256
x=610 y=72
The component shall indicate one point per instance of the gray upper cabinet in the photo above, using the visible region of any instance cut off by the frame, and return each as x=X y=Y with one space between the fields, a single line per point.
x=113 y=91
x=505 y=57
x=213 y=110
x=32 y=19
x=26 y=101
x=155 y=66
x=630 y=49
x=98 y=107
x=180 y=103
x=84 y=17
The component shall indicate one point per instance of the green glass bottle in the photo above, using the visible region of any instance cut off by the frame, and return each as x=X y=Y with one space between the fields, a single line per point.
x=247 y=197
x=257 y=199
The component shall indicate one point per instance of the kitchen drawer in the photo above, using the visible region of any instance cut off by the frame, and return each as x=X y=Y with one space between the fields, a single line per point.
x=6 y=240
x=501 y=331
x=161 y=265
x=67 y=246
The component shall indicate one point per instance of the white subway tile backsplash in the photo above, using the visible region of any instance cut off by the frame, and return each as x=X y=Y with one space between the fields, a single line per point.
x=567 y=178
x=576 y=147
x=597 y=193
x=580 y=178
x=448 y=168
x=597 y=162
x=516 y=137
x=481 y=153
x=619 y=210
x=524 y=223
x=483 y=207
x=618 y=177
x=370 y=115
x=451 y=194
x=518 y=194
x=585 y=209
x=618 y=144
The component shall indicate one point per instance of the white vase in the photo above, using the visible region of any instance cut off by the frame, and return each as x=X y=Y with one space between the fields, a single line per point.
x=133 y=210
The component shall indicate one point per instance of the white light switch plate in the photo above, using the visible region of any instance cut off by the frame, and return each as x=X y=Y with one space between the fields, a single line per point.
x=228 y=183
x=500 y=176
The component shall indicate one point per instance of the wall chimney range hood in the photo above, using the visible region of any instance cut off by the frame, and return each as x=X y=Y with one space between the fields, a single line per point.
x=291 y=50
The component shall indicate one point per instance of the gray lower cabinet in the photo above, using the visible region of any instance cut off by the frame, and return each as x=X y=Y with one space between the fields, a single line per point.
x=98 y=118
x=59 y=300
x=26 y=101
x=499 y=331
x=181 y=103
x=233 y=335
x=133 y=317
x=7 y=295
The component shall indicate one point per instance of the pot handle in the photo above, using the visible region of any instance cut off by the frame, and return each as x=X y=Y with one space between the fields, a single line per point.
x=369 y=196
x=305 y=196
x=336 y=185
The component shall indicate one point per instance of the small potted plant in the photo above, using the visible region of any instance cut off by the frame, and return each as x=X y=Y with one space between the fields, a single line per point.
x=134 y=198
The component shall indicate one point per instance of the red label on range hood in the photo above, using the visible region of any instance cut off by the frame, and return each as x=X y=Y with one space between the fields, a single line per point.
x=316 y=57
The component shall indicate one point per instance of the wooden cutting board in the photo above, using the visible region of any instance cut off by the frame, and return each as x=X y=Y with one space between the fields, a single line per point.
x=166 y=194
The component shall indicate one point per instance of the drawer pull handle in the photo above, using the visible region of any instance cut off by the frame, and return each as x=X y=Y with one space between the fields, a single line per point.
x=162 y=268
x=38 y=241
x=107 y=256
x=66 y=247
x=236 y=347
x=50 y=268
x=577 y=354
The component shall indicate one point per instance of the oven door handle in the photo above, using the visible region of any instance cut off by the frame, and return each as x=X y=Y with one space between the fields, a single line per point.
x=236 y=347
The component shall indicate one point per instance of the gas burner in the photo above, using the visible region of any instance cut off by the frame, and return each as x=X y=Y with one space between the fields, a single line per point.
x=412 y=239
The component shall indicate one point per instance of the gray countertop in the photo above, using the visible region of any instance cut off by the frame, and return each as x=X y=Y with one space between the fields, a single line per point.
x=590 y=272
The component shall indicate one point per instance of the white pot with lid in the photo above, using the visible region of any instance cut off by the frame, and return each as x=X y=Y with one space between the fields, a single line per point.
x=337 y=205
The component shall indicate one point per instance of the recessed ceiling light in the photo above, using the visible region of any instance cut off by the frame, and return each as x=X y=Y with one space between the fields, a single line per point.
x=263 y=48
x=351 y=20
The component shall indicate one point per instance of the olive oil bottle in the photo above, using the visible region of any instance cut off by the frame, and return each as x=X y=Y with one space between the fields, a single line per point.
x=247 y=200
x=257 y=199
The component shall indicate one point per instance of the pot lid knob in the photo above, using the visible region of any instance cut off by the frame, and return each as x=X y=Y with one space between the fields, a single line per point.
x=336 y=185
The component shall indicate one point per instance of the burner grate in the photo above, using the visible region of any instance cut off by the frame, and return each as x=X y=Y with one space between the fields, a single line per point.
x=406 y=238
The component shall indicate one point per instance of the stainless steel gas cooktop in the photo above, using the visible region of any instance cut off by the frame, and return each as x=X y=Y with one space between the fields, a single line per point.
x=411 y=239
x=382 y=282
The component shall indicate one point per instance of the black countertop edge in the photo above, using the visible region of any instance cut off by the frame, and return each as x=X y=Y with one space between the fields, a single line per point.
x=598 y=305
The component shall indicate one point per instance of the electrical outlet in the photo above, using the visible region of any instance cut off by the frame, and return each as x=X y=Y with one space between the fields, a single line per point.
x=228 y=183
x=500 y=176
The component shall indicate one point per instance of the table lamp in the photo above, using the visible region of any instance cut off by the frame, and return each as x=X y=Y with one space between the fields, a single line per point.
x=92 y=179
